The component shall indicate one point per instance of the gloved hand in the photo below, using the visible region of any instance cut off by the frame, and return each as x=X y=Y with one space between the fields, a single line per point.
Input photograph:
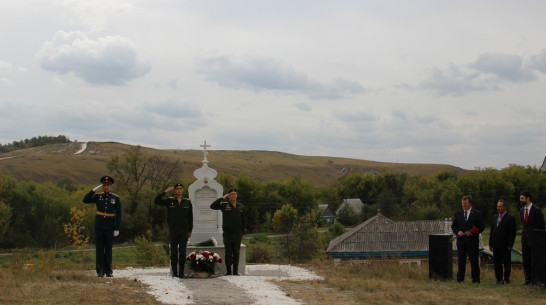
x=116 y=233
x=97 y=188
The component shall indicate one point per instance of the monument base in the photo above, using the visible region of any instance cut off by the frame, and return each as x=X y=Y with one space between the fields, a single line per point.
x=198 y=237
x=221 y=268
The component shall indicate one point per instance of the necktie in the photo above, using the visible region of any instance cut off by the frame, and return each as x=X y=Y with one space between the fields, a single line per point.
x=499 y=219
x=526 y=214
x=465 y=218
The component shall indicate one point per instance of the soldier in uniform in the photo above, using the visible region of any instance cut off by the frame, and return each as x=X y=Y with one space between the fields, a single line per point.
x=180 y=221
x=107 y=223
x=233 y=225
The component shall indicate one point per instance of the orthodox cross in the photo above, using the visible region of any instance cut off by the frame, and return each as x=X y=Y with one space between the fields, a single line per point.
x=205 y=149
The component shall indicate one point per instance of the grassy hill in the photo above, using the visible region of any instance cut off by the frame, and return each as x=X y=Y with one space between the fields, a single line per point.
x=58 y=161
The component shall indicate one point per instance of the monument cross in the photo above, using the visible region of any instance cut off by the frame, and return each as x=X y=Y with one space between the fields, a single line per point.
x=205 y=150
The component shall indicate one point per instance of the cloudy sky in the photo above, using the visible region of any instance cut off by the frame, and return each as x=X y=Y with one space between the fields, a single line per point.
x=425 y=81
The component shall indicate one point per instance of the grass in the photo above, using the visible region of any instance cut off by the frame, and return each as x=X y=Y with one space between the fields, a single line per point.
x=350 y=282
x=57 y=161
x=62 y=277
x=69 y=287
x=384 y=282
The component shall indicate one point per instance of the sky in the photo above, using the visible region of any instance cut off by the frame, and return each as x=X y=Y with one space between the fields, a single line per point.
x=425 y=81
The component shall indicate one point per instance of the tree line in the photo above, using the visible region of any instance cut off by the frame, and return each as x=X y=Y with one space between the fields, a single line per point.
x=33 y=214
x=33 y=142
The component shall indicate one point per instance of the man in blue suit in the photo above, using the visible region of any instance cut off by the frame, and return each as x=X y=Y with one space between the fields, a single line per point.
x=467 y=225
x=501 y=241
x=531 y=219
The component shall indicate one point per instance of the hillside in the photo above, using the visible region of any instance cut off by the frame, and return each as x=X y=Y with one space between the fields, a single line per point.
x=54 y=162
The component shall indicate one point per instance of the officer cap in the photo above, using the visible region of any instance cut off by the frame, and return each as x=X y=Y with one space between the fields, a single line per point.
x=232 y=190
x=106 y=180
x=179 y=184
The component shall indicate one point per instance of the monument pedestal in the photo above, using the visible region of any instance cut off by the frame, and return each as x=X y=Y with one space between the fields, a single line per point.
x=221 y=268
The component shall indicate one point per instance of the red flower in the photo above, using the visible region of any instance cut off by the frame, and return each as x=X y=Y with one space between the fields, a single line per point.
x=475 y=230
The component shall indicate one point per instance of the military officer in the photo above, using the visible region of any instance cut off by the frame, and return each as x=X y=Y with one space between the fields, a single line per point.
x=107 y=223
x=180 y=222
x=233 y=225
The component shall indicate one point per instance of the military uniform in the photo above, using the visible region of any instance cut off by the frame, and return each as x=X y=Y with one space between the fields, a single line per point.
x=233 y=225
x=107 y=220
x=180 y=222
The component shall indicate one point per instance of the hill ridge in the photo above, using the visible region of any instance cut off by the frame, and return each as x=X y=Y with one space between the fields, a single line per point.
x=83 y=162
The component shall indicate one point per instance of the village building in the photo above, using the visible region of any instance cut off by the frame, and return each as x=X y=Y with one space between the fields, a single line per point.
x=355 y=203
x=380 y=237
x=327 y=216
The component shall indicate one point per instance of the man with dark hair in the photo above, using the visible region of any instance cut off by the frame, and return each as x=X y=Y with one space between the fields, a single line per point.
x=180 y=222
x=233 y=225
x=501 y=241
x=532 y=219
x=107 y=223
x=467 y=225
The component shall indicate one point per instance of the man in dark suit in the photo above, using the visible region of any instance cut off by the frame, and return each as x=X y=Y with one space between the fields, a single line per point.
x=467 y=225
x=532 y=219
x=501 y=241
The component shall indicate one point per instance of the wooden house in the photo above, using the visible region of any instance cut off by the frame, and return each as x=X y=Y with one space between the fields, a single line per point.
x=381 y=237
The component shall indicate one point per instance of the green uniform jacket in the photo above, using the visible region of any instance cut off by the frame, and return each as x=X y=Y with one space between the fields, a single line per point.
x=179 y=215
x=107 y=204
x=233 y=218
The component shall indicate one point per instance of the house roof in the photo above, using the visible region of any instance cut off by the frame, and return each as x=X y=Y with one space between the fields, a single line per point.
x=355 y=203
x=544 y=165
x=380 y=236
x=327 y=213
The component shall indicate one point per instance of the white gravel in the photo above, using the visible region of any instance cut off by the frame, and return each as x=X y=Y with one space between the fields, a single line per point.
x=255 y=287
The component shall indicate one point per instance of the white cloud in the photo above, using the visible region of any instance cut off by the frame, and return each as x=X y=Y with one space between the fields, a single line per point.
x=5 y=68
x=506 y=67
x=538 y=61
x=109 y=60
x=378 y=80
x=260 y=74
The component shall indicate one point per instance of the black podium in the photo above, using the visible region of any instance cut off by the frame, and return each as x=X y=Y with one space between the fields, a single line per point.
x=440 y=256
x=539 y=256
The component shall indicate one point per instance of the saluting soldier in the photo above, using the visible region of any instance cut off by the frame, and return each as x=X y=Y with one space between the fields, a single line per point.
x=180 y=221
x=107 y=223
x=233 y=225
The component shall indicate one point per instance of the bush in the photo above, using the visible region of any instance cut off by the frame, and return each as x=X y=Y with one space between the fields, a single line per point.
x=148 y=254
x=259 y=255
x=336 y=229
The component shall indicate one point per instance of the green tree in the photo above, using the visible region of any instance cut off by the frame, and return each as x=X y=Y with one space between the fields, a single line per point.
x=305 y=240
x=355 y=185
x=5 y=217
x=347 y=216
x=285 y=218
x=299 y=193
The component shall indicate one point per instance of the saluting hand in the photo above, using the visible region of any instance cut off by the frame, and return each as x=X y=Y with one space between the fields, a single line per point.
x=169 y=189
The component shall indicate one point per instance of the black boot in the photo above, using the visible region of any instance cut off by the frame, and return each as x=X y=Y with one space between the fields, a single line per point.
x=100 y=271
x=228 y=268
x=174 y=270
x=235 y=269
x=181 y=272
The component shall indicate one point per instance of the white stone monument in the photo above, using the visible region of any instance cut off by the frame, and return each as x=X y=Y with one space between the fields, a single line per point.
x=207 y=222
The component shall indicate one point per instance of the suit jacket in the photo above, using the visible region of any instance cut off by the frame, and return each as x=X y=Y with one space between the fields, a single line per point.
x=534 y=222
x=503 y=236
x=475 y=219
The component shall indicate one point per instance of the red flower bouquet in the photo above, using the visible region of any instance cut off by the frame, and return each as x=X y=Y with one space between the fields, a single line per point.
x=203 y=261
